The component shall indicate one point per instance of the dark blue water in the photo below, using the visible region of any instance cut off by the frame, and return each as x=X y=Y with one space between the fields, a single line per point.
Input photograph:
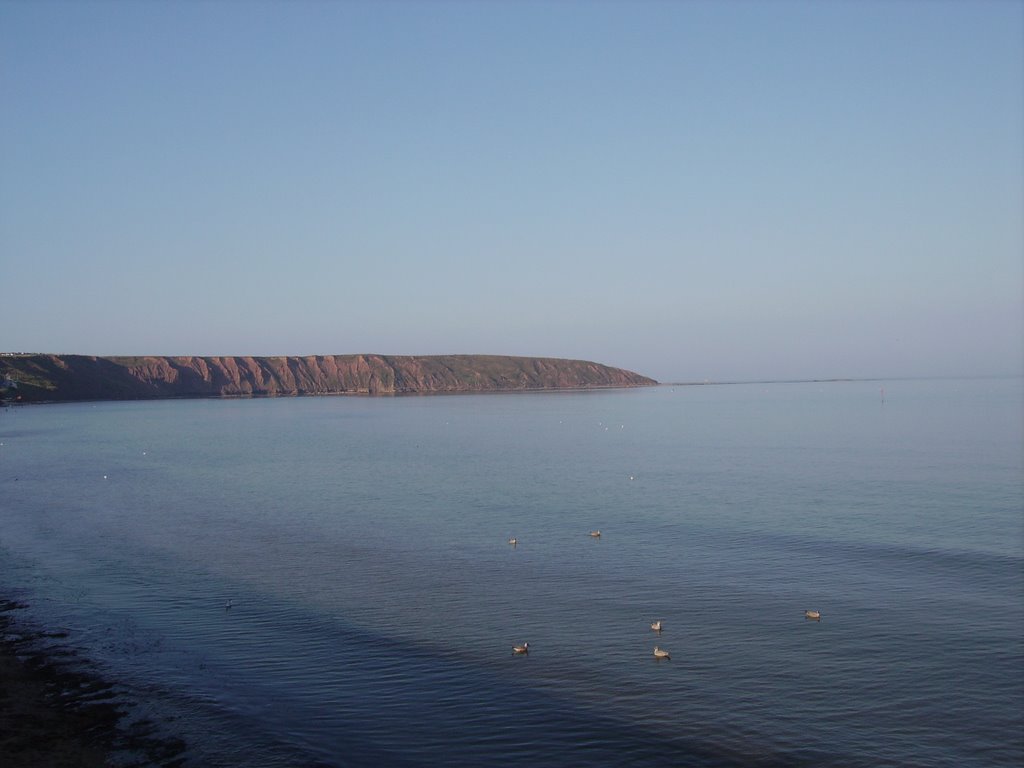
x=375 y=599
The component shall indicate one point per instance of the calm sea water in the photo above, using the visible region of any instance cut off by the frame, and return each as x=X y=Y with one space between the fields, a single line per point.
x=375 y=599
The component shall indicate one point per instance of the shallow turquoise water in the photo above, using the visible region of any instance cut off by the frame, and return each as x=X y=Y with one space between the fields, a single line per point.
x=375 y=600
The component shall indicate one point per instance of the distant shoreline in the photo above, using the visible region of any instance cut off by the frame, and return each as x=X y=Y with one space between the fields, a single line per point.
x=289 y=396
x=524 y=391
x=839 y=379
x=64 y=378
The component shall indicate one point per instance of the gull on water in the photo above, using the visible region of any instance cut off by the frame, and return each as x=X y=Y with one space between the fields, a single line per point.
x=660 y=654
x=513 y=541
x=596 y=534
x=524 y=648
x=815 y=615
x=656 y=626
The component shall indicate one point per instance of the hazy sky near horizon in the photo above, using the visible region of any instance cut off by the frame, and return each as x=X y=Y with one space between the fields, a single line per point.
x=692 y=190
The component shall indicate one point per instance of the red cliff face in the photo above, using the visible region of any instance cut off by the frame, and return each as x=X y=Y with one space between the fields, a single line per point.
x=77 y=377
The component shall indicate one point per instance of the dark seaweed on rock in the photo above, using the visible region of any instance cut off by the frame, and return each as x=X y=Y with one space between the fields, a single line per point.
x=55 y=711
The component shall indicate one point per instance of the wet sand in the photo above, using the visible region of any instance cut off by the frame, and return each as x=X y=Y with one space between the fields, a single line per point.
x=54 y=711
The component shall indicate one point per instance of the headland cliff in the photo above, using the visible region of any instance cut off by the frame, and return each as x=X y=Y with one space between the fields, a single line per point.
x=50 y=378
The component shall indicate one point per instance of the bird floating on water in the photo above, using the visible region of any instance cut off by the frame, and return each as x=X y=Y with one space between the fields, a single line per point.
x=660 y=654
x=227 y=606
x=815 y=615
x=513 y=541
x=524 y=648
x=596 y=534
x=656 y=626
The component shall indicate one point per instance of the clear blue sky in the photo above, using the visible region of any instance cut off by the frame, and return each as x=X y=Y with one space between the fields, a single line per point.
x=727 y=190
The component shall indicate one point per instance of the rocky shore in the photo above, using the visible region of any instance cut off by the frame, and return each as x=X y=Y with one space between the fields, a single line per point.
x=56 y=712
